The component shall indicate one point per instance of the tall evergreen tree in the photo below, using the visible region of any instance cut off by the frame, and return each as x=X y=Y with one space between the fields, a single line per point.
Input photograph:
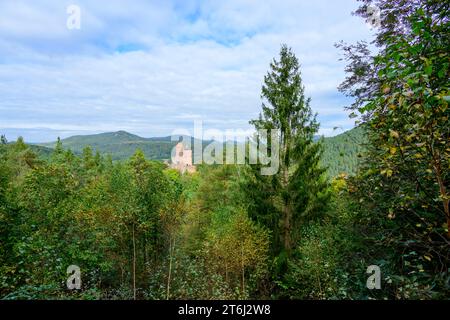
x=299 y=189
x=58 y=152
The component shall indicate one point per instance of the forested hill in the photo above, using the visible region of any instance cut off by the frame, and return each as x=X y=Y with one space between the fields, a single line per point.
x=120 y=145
x=340 y=152
x=343 y=152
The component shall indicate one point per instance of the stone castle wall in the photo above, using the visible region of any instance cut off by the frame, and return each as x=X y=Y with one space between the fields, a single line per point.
x=182 y=159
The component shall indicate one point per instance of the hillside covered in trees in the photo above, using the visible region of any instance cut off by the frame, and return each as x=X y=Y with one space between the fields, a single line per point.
x=341 y=153
x=119 y=145
x=137 y=229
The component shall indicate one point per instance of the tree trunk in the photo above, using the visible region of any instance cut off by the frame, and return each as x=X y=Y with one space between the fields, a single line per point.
x=226 y=272
x=144 y=249
x=448 y=225
x=445 y=203
x=442 y=190
x=134 y=265
x=171 y=248
x=243 y=269
x=287 y=228
x=287 y=214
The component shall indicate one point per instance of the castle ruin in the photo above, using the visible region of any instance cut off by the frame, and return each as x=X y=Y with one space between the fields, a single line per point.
x=182 y=159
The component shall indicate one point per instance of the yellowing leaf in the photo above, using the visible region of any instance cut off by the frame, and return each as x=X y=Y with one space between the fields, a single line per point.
x=393 y=150
x=394 y=134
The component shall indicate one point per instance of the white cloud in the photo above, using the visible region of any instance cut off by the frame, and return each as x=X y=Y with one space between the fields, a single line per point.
x=158 y=65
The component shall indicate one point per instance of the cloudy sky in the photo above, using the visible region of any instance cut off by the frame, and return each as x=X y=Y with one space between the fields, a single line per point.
x=150 y=67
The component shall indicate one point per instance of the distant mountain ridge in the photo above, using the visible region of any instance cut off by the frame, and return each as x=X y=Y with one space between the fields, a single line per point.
x=120 y=145
x=341 y=153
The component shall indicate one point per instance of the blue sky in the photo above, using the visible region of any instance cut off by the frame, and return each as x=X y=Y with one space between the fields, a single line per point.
x=151 y=67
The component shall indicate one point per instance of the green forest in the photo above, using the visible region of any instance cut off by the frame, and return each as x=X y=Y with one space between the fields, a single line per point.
x=377 y=195
x=340 y=153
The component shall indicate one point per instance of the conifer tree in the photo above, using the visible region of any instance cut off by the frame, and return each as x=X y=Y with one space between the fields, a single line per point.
x=299 y=189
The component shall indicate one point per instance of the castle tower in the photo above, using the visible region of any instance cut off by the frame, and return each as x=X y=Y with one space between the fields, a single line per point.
x=182 y=159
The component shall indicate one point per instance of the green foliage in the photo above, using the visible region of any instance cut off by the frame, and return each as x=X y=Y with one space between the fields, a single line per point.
x=139 y=230
x=235 y=247
x=220 y=233
x=285 y=201
x=403 y=185
x=119 y=145
x=192 y=280
x=83 y=211
x=125 y=224
x=343 y=153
